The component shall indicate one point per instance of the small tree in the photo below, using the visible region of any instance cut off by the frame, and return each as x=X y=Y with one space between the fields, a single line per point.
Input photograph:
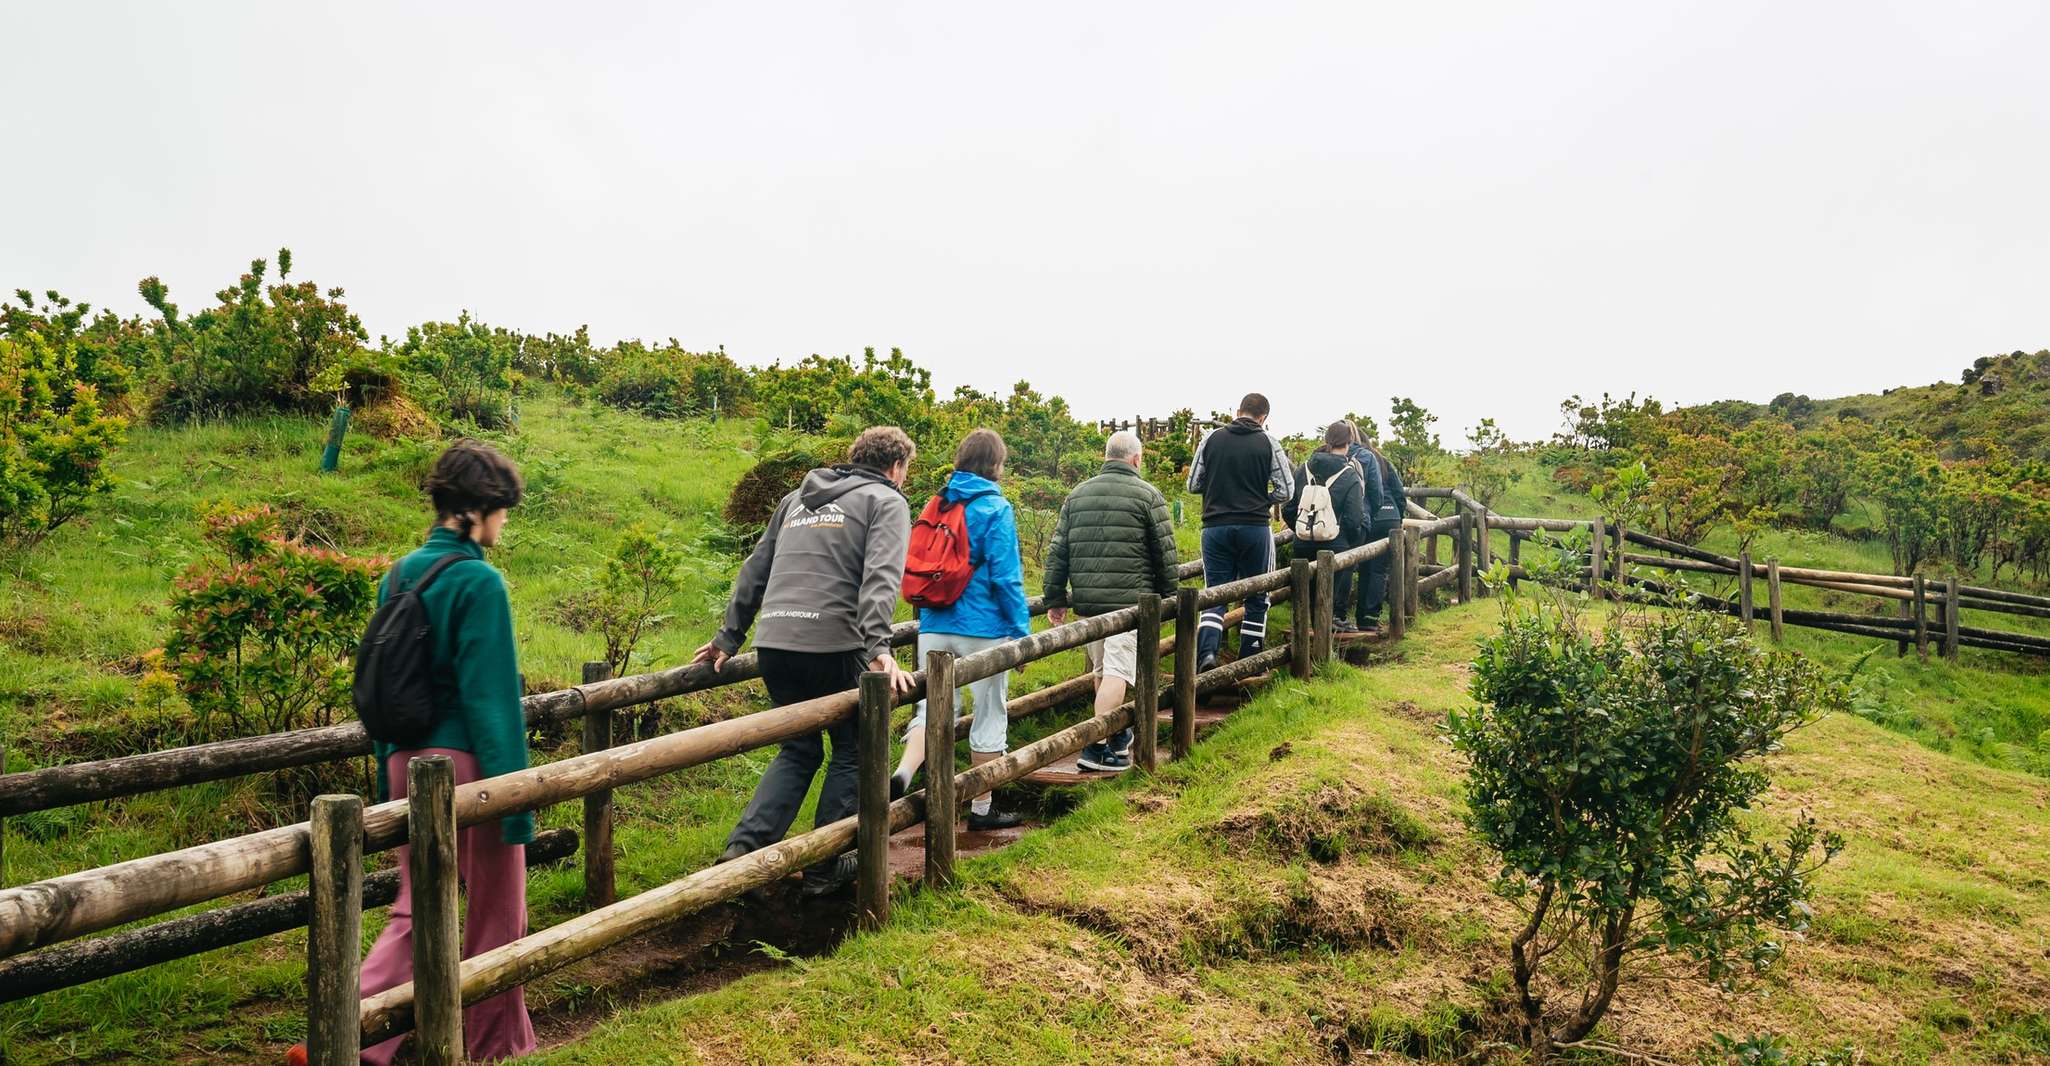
x=1488 y=467
x=630 y=599
x=1412 y=446
x=54 y=441
x=263 y=633
x=1607 y=771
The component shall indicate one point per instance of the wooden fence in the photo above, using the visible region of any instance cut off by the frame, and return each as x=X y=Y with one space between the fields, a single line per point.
x=1930 y=610
x=330 y=845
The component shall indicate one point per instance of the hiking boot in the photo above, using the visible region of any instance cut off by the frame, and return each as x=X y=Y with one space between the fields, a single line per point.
x=839 y=875
x=995 y=819
x=1110 y=762
x=732 y=852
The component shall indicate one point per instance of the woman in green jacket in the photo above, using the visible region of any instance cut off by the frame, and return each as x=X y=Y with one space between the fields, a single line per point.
x=480 y=725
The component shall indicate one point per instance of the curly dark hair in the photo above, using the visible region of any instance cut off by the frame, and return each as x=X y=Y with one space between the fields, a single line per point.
x=881 y=447
x=472 y=477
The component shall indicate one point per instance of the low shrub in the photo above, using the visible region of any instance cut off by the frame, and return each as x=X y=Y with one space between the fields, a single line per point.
x=669 y=382
x=263 y=631
x=1607 y=770
x=259 y=351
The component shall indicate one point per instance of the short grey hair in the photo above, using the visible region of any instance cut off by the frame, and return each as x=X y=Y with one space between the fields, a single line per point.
x=1124 y=444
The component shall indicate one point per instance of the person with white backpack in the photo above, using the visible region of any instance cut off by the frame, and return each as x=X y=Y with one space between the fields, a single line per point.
x=1329 y=509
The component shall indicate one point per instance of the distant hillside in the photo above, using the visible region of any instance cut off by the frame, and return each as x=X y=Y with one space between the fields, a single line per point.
x=2003 y=398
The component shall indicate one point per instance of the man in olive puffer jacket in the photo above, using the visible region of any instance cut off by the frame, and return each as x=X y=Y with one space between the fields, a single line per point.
x=1114 y=542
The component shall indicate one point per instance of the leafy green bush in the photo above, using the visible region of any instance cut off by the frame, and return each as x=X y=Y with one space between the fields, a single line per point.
x=259 y=351
x=262 y=634
x=110 y=353
x=1608 y=771
x=669 y=382
x=54 y=440
x=462 y=369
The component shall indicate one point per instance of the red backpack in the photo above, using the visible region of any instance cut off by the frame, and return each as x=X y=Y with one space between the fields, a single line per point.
x=937 y=567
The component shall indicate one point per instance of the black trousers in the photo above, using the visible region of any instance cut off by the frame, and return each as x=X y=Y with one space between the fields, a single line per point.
x=793 y=677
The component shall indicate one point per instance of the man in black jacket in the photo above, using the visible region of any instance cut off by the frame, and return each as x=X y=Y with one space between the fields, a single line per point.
x=1114 y=541
x=1241 y=472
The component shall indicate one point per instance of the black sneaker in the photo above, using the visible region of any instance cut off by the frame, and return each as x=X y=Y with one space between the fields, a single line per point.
x=1344 y=627
x=1208 y=664
x=1250 y=648
x=732 y=852
x=839 y=876
x=1108 y=762
x=995 y=819
x=1091 y=753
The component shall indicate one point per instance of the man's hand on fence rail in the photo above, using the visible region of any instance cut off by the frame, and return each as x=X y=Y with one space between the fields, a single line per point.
x=900 y=681
x=710 y=652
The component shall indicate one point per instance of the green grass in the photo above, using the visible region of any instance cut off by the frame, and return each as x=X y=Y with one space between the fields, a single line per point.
x=1153 y=923
x=1221 y=950
x=89 y=602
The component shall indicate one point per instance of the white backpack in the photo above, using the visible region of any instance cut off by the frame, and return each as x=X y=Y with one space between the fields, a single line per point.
x=1316 y=518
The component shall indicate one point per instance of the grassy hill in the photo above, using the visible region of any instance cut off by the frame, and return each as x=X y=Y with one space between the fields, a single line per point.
x=1259 y=955
x=1176 y=920
x=2001 y=398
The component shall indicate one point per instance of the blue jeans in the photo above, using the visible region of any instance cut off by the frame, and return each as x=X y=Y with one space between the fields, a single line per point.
x=1374 y=578
x=1229 y=554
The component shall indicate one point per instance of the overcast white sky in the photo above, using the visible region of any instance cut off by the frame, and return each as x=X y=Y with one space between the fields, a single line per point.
x=1484 y=206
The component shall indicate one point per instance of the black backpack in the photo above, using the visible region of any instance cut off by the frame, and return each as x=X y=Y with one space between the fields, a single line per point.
x=394 y=692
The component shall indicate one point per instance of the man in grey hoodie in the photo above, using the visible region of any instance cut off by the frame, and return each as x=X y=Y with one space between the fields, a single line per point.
x=823 y=585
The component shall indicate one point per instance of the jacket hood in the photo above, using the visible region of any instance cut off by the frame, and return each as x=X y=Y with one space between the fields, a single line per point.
x=966 y=485
x=1242 y=424
x=827 y=484
x=1321 y=461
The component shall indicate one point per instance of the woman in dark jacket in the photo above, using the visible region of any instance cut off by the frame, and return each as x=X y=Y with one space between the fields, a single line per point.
x=480 y=726
x=1330 y=466
x=1390 y=502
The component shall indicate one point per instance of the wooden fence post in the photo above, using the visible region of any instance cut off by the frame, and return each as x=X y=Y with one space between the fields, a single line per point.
x=437 y=929
x=942 y=807
x=600 y=885
x=1300 y=608
x=872 y=801
x=1950 y=615
x=1921 y=603
x=1746 y=606
x=1146 y=686
x=1327 y=610
x=1515 y=557
x=1594 y=558
x=1772 y=599
x=3 y=822
x=1900 y=645
x=1391 y=589
x=1431 y=549
x=1186 y=621
x=1463 y=547
x=1484 y=552
x=334 y=931
x=1413 y=599
x=1620 y=569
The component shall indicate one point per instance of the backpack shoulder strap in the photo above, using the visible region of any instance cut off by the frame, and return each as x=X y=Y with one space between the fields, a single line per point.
x=434 y=571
